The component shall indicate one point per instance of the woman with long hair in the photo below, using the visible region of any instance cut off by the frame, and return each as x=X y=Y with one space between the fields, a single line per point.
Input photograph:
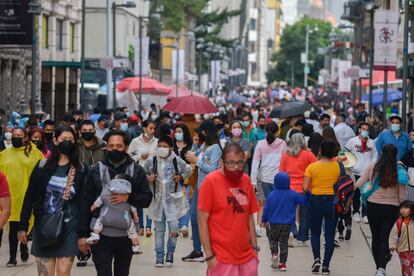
x=294 y=162
x=55 y=186
x=389 y=182
x=206 y=157
x=37 y=137
x=265 y=166
x=328 y=134
x=141 y=149
x=17 y=163
x=236 y=136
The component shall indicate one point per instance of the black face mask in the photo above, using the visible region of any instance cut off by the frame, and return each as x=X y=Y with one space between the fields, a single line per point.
x=17 y=142
x=49 y=136
x=116 y=156
x=66 y=148
x=201 y=138
x=88 y=136
x=220 y=126
x=262 y=126
x=39 y=144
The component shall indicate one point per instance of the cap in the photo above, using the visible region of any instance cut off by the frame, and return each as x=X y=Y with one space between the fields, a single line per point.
x=134 y=118
x=395 y=116
x=120 y=116
x=206 y=125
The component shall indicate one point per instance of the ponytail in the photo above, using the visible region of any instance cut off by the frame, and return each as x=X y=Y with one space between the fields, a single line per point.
x=271 y=130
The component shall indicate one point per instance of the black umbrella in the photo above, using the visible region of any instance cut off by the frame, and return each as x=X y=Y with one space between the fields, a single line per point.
x=290 y=109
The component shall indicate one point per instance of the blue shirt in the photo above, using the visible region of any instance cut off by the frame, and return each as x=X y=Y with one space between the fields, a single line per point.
x=258 y=135
x=402 y=142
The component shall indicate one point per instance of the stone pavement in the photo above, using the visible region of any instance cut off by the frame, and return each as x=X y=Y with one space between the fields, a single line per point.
x=353 y=258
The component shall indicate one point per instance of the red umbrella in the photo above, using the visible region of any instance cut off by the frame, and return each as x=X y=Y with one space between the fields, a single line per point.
x=182 y=91
x=191 y=105
x=149 y=86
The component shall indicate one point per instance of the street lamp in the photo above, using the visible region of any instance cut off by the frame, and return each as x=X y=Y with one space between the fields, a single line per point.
x=35 y=9
x=306 y=70
x=128 y=4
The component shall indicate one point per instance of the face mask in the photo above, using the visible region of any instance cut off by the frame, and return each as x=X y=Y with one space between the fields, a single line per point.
x=246 y=123
x=201 y=138
x=39 y=144
x=236 y=132
x=364 y=134
x=153 y=117
x=116 y=156
x=49 y=136
x=88 y=136
x=233 y=176
x=395 y=127
x=124 y=127
x=179 y=136
x=17 y=142
x=163 y=152
x=66 y=148
x=220 y=126
x=7 y=136
x=262 y=126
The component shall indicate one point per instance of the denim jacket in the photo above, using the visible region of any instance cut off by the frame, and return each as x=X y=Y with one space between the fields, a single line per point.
x=208 y=161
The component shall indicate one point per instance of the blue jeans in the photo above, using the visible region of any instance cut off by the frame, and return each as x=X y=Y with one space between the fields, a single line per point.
x=304 y=224
x=194 y=222
x=160 y=234
x=322 y=208
x=267 y=188
x=186 y=218
x=141 y=219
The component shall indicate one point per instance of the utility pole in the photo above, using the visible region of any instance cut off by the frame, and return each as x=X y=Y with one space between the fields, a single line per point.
x=82 y=76
x=306 y=70
x=109 y=52
x=140 y=64
x=35 y=9
x=405 y=64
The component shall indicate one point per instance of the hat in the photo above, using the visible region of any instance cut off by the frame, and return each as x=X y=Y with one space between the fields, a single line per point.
x=348 y=159
x=206 y=125
x=395 y=116
x=134 y=118
x=120 y=116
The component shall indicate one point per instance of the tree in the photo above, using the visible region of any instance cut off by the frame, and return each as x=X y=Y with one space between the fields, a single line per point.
x=293 y=44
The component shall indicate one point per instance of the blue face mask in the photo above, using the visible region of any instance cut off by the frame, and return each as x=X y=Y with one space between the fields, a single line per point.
x=364 y=134
x=124 y=127
x=179 y=136
x=395 y=127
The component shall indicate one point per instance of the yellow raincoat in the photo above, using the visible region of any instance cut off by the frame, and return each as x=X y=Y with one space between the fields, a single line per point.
x=18 y=167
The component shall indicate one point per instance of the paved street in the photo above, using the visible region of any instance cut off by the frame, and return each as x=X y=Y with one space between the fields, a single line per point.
x=353 y=258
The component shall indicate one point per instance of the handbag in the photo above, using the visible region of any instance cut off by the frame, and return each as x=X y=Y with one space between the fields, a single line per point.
x=50 y=227
x=368 y=189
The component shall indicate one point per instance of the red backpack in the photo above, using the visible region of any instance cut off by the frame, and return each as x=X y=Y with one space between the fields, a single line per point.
x=344 y=191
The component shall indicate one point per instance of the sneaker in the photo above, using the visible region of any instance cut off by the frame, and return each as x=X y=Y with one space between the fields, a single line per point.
x=282 y=267
x=290 y=241
x=169 y=260
x=93 y=238
x=275 y=262
x=148 y=233
x=159 y=263
x=11 y=263
x=300 y=243
x=82 y=260
x=380 y=272
x=365 y=220
x=337 y=245
x=136 y=249
x=357 y=217
x=141 y=232
x=325 y=271
x=316 y=266
x=24 y=253
x=184 y=231
x=259 y=231
x=194 y=257
x=348 y=234
x=341 y=237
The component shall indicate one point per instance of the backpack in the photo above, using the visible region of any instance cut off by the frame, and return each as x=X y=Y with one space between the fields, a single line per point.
x=155 y=170
x=344 y=191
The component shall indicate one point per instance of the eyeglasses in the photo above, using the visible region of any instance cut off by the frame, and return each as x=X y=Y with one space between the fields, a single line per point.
x=233 y=164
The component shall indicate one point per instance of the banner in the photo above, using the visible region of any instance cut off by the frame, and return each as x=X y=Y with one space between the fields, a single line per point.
x=386 y=39
x=15 y=22
x=215 y=72
x=344 y=81
x=334 y=69
x=145 y=51
x=181 y=58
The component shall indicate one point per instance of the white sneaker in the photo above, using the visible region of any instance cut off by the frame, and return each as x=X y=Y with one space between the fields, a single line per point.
x=290 y=241
x=93 y=238
x=136 y=249
x=357 y=217
x=365 y=220
x=297 y=243
x=380 y=272
x=259 y=231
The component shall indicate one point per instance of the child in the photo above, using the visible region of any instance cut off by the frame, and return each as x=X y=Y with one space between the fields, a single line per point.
x=402 y=237
x=119 y=215
x=165 y=171
x=279 y=214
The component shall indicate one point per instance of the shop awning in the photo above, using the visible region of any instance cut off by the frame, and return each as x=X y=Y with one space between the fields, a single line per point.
x=61 y=64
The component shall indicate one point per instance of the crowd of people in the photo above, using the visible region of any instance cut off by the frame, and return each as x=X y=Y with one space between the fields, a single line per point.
x=94 y=185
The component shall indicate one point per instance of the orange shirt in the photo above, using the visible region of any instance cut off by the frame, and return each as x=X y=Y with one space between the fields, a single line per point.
x=295 y=167
x=230 y=206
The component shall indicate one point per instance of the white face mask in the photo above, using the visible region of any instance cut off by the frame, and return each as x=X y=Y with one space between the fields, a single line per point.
x=163 y=152
x=8 y=136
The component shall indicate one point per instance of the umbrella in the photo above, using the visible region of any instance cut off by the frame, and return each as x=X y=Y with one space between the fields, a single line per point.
x=378 y=95
x=290 y=109
x=149 y=86
x=182 y=91
x=191 y=105
x=236 y=98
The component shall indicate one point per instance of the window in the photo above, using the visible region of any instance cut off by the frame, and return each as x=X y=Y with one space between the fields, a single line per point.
x=45 y=32
x=72 y=37
x=252 y=24
x=59 y=34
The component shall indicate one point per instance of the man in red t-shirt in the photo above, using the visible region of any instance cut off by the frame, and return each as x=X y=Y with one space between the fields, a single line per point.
x=4 y=202
x=226 y=204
